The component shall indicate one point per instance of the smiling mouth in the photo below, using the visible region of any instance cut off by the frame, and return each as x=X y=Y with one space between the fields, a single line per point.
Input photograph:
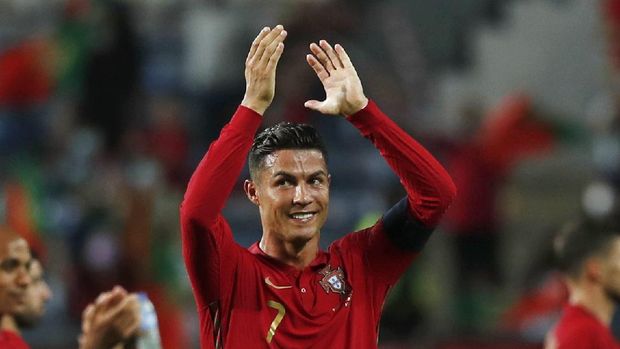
x=302 y=216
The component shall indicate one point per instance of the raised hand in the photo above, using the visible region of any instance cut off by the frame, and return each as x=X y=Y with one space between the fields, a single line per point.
x=260 y=68
x=343 y=88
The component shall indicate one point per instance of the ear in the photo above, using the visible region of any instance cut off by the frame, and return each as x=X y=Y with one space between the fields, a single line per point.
x=593 y=269
x=251 y=191
x=329 y=179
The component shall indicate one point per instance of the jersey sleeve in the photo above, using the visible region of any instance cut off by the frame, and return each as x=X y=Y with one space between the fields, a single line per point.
x=392 y=243
x=209 y=251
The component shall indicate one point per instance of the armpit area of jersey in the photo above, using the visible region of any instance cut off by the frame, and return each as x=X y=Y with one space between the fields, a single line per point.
x=403 y=229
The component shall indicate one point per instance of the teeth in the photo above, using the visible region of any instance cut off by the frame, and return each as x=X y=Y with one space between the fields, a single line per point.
x=302 y=215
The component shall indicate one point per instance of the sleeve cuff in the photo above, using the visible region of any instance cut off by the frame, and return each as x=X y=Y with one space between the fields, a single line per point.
x=371 y=114
x=246 y=120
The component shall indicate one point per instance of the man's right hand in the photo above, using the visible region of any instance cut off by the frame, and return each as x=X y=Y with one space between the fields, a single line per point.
x=260 y=68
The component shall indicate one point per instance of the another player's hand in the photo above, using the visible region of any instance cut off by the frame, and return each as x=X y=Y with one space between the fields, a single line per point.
x=260 y=68
x=112 y=319
x=343 y=88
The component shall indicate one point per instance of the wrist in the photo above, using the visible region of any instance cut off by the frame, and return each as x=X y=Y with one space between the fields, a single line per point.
x=358 y=105
x=260 y=108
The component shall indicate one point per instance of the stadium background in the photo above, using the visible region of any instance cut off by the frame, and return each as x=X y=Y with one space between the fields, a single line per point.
x=106 y=107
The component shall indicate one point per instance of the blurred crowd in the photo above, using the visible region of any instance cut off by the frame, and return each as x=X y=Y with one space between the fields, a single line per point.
x=106 y=107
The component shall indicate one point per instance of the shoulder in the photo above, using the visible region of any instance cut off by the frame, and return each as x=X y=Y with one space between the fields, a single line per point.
x=10 y=339
x=576 y=329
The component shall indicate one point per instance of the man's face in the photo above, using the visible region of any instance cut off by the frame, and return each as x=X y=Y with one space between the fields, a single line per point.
x=14 y=274
x=292 y=192
x=611 y=270
x=38 y=294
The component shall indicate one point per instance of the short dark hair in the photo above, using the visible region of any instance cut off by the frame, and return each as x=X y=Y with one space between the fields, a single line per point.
x=579 y=240
x=284 y=135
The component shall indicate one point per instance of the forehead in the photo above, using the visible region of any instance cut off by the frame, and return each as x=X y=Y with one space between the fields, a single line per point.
x=14 y=248
x=294 y=161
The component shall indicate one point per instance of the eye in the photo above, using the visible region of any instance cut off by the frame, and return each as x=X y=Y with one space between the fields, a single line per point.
x=9 y=265
x=283 y=182
x=316 y=181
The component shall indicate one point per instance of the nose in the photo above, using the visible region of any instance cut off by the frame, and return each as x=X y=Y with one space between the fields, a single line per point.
x=47 y=292
x=23 y=277
x=302 y=195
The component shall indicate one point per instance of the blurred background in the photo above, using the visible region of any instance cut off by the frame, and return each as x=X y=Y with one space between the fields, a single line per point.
x=107 y=106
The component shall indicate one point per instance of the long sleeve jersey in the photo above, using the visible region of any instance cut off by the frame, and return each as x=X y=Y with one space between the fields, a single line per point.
x=247 y=299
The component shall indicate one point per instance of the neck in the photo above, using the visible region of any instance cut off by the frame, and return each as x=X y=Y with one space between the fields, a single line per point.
x=7 y=323
x=296 y=254
x=593 y=298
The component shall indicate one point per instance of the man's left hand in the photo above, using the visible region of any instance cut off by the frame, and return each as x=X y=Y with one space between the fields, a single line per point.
x=343 y=88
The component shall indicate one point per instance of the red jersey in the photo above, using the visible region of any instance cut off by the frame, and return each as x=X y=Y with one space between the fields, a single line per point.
x=11 y=340
x=247 y=299
x=578 y=328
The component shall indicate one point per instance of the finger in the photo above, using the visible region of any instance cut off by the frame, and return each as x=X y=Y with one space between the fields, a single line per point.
x=266 y=41
x=87 y=316
x=115 y=311
x=318 y=68
x=109 y=299
x=331 y=53
x=131 y=328
x=314 y=105
x=271 y=49
x=343 y=56
x=275 y=57
x=257 y=41
x=322 y=56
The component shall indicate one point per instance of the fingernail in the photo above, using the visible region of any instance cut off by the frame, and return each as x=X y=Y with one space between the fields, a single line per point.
x=265 y=29
x=279 y=26
x=283 y=33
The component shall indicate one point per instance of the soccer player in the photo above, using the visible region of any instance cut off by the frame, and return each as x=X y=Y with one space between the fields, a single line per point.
x=14 y=281
x=38 y=293
x=284 y=291
x=589 y=255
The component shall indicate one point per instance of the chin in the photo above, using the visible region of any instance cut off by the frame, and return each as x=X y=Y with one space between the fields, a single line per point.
x=299 y=236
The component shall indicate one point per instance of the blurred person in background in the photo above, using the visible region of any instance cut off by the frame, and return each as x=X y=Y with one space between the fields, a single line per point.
x=38 y=294
x=112 y=320
x=284 y=291
x=14 y=282
x=588 y=253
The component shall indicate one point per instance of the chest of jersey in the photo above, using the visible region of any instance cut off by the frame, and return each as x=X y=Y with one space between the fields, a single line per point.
x=275 y=307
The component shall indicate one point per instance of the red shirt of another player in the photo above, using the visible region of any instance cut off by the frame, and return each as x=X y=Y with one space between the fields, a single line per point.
x=580 y=329
x=11 y=340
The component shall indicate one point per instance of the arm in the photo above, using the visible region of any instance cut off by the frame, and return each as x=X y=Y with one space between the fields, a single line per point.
x=429 y=187
x=404 y=229
x=207 y=238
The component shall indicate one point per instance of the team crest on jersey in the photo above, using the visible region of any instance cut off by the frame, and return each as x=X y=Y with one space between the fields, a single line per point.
x=333 y=280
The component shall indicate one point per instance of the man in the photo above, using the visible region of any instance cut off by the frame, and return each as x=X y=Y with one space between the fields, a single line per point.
x=38 y=294
x=14 y=281
x=589 y=255
x=284 y=292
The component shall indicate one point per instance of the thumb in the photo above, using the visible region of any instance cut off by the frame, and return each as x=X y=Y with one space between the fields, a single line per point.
x=313 y=104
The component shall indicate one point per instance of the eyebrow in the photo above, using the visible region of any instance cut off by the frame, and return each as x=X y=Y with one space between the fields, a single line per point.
x=287 y=174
